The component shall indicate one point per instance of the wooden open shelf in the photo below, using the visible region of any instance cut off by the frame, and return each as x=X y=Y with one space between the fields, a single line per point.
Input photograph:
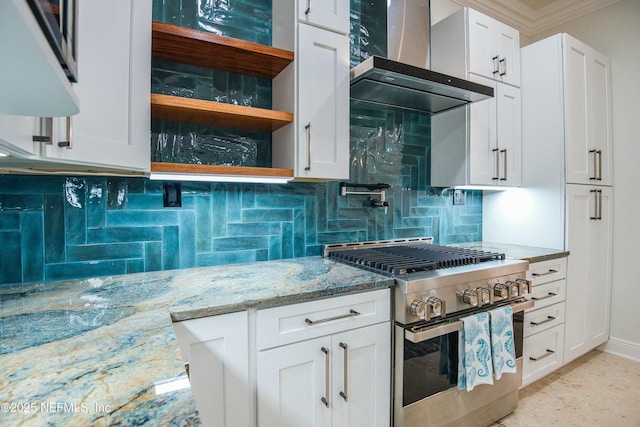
x=220 y=170
x=174 y=43
x=179 y=109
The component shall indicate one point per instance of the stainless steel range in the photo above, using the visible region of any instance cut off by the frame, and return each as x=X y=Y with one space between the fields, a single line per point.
x=436 y=286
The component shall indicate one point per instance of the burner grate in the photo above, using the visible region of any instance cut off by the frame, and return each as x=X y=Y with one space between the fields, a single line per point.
x=403 y=259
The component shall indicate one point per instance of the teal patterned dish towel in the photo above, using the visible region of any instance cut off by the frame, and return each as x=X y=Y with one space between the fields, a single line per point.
x=502 y=342
x=474 y=352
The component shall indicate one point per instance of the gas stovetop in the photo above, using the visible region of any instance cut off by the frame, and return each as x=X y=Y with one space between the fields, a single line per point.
x=443 y=276
x=407 y=256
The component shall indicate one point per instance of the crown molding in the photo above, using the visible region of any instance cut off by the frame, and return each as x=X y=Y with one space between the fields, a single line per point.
x=531 y=22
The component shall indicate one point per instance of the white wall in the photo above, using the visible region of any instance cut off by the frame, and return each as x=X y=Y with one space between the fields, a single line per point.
x=615 y=31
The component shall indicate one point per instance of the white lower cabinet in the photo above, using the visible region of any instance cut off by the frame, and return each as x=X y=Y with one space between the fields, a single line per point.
x=543 y=353
x=216 y=350
x=337 y=380
x=323 y=362
x=544 y=323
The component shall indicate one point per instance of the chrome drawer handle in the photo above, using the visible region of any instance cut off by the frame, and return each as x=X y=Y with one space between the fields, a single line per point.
x=548 y=319
x=547 y=354
x=549 y=295
x=545 y=274
x=352 y=313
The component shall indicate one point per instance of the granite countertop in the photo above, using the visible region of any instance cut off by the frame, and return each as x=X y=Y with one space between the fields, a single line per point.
x=526 y=253
x=94 y=351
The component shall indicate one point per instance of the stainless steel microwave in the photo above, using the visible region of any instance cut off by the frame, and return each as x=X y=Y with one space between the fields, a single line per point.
x=58 y=21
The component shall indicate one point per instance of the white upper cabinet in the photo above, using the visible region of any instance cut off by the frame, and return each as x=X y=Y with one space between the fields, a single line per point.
x=323 y=104
x=329 y=14
x=114 y=64
x=494 y=49
x=471 y=42
x=16 y=136
x=482 y=145
x=495 y=135
x=32 y=81
x=316 y=145
x=588 y=114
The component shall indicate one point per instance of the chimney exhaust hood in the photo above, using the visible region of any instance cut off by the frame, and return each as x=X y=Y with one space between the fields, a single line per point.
x=403 y=79
x=395 y=84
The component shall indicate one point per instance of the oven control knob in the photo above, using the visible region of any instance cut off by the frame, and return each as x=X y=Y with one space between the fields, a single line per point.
x=514 y=289
x=435 y=306
x=483 y=295
x=500 y=290
x=470 y=296
x=525 y=286
x=419 y=308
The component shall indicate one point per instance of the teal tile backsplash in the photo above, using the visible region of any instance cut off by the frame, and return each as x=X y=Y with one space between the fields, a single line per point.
x=55 y=228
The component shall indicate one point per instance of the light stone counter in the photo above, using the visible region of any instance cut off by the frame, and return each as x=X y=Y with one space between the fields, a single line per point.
x=526 y=253
x=94 y=351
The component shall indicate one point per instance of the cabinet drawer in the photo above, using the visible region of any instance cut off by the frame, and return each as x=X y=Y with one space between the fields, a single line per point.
x=548 y=294
x=542 y=319
x=547 y=271
x=291 y=323
x=542 y=354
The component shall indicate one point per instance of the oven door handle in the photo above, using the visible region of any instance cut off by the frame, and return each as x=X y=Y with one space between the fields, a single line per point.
x=522 y=306
x=419 y=335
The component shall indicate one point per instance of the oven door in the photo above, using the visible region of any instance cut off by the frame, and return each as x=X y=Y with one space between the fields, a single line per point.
x=426 y=376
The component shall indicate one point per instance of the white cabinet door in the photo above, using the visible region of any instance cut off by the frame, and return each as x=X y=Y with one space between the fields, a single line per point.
x=323 y=104
x=114 y=63
x=494 y=49
x=330 y=14
x=341 y=380
x=292 y=380
x=217 y=351
x=589 y=230
x=495 y=137
x=509 y=134
x=16 y=136
x=362 y=371
x=588 y=114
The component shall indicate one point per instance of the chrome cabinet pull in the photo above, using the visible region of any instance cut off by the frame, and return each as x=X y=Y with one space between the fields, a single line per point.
x=496 y=175
x=308 y=10
x=69 y=142
x=600 y=205
x=597 y=204
x=595 y=164
x=547 y=320
x=503 y=62
x=41 y=138
x=325 y=398
x=352 y=313
x=599 y=153
x=345 y=377
x=46 y=130
x=504 y=165
x=544 y=274
x=537 y=358
x=549 y=295
x=496 y=65
x=308 y=129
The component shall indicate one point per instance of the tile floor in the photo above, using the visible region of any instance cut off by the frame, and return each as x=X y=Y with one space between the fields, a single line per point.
x=598 y=389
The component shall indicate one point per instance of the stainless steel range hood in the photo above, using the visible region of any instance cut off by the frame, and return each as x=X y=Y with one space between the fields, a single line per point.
x=403 y=80
x=395 y=84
